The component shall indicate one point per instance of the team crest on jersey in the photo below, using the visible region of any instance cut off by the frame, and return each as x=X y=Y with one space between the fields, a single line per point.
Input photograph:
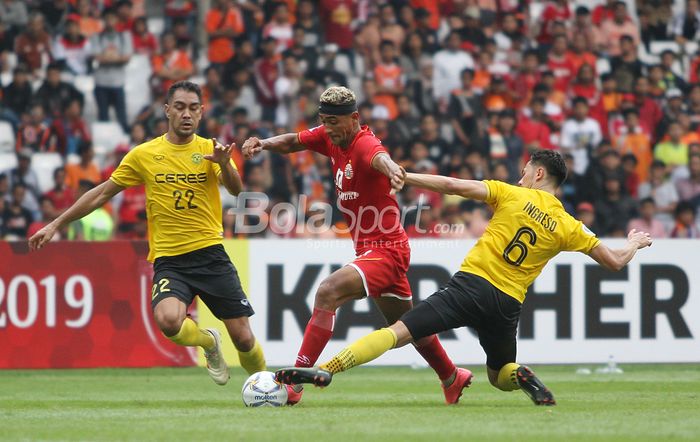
x=197 y=158
x=348 y=171
x=158 y=157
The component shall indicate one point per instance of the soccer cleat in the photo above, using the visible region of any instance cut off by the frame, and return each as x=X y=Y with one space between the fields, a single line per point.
x=533 y=387
x=216 y=364
x=293 y=397
x=298 y=375
x=463 y=379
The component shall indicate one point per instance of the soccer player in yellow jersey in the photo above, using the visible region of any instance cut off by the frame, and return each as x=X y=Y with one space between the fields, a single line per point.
x=529 y=227
x=181 y=172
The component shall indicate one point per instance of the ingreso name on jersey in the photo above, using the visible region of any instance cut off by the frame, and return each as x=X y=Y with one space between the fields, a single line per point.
x=529 y=227
x=182 y=194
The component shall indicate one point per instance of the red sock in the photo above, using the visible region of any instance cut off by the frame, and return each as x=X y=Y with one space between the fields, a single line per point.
x=436 y=357
x=317 y=334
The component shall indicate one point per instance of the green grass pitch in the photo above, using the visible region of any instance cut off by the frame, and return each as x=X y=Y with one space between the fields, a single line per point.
x=647 y=402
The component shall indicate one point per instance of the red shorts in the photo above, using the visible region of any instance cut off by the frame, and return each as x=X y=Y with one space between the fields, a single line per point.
x=383 y=272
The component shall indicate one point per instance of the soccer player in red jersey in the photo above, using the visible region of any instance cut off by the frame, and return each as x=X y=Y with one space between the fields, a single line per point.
x=365 y=177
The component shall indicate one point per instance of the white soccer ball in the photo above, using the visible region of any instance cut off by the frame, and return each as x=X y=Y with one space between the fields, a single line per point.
x=262 y=390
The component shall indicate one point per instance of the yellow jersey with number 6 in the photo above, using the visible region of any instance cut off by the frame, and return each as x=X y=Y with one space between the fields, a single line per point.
x=183 y=204
x=529 y=227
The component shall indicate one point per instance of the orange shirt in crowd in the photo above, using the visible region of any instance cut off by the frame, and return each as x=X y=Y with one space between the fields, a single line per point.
x=177 y=60
x=90 y=26
x=221 y=49
x=388 y=75
x=75 y=173
x=639 y=144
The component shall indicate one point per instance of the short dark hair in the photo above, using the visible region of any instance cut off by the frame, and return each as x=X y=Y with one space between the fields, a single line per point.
x=647 y=200
x=186 y=86
x=579 y=100
x=553 y=162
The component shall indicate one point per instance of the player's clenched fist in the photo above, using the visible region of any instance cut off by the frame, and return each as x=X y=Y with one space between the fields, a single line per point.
x=641 y=239
x=41 y=237
x=251 y=147
x=397 y=179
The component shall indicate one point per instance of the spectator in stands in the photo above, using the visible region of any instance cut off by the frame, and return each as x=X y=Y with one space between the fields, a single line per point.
x=652 y=25
x=646 y=222
x=224 y=23
x=181 y=9
x=405 y=127
x=13 y=14
x=448 y=65
x=614 y=209
x=266 y=72
x=337 y=17
x=671 y=79
x=17 y=96
x=579 y=134
x=662 y=190
x=68 y=130
x=24 y=175
x=72 y=49
x=3 y=205
x=505 y=145
x=554 y=11
x=585 y=212
x=306 y=56
x=650 y=113
x=633 y=139
x=85 y=170
x=55 y=13
x=533 y=127
x=61 y=196
x=686 y=25
x=125 y=18
x=672 y=152
x=438 y=149
x=626 y=67
x=54 y=93
x=689 y=188
x=33 y=132
x=4 y=186
x=421 y=89
x=145 y=43
x=171 y=65
x=96 y=226
x=389 y=78
x=685 y=224
x=33 y=46
x=17 y=217
x=602 y=12
x=465 y=110
x=89 y=19
x=308 y=21
x=560 y=63
x=112 y=51
x=287 y=87
x=611 y=30
x=279 y=27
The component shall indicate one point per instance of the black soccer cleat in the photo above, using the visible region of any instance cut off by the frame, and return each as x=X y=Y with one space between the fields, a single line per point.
x=298 y=375
x=533 y=387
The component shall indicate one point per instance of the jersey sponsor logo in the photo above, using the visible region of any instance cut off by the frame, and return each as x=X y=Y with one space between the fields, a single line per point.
x=348 y=171
x=348 y=196
x=191 y=178
x=539 y=216
x=197 y=158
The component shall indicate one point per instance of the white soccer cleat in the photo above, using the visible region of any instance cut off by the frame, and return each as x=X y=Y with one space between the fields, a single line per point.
x=216 y=365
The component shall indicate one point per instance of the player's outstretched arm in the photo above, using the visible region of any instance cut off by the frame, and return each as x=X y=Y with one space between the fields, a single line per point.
x=285 y=143
x=90 y=201
x=229 y=177
x=616 y=259
x=452 y=186
x=396 y=174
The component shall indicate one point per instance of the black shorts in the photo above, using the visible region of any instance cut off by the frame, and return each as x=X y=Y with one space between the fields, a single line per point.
x=470 y=301
x=207 y=273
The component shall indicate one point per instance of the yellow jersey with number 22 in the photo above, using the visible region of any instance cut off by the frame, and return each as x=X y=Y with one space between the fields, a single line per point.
x=529 y=227
x=183 y=204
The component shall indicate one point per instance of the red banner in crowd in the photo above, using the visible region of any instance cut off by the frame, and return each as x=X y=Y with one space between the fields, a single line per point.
x=79 y=304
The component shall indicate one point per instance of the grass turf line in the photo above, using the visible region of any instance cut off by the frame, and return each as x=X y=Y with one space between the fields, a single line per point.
x=647 y=402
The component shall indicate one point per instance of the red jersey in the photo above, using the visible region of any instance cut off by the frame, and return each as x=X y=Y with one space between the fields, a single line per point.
x=363 y=192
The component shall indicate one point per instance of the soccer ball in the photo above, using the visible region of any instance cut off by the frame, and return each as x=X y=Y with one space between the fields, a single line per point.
x=262 y=390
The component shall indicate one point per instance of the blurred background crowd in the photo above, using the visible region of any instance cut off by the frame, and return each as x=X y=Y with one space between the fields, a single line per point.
x=464 y=88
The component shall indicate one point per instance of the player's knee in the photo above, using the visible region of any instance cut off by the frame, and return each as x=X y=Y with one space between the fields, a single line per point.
x=327 y=295
x=169 y=322
x=243 y=340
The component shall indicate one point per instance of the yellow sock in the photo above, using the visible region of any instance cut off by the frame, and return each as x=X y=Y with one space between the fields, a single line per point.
x=362 y=351
x=507 y=377
x=191 y=335
x=252 y=360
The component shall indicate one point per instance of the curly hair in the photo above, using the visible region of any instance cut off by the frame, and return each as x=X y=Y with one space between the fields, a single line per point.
x=337 y=96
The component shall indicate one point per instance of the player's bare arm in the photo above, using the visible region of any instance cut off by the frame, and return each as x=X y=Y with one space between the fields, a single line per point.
x=285 y=144
x=229 y=177
x=452 y=186
x=396 y=174
x=92 y=200
x=616 y=259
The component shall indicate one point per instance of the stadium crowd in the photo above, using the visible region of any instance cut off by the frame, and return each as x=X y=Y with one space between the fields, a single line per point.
x=464 y=88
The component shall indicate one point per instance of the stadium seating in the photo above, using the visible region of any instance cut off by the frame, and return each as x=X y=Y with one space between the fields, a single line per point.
x=106 y=136
x=7 y=137
x=8 y=160
x=138 y=73
x=43 y=164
